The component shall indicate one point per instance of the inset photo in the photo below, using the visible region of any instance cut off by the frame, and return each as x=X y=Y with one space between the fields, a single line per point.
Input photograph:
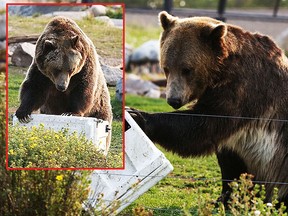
x=65 y=97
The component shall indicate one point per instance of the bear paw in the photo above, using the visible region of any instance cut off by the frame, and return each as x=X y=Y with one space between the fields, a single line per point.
x=138 y=117
x=67 y=114
x=23 y=117
x=71 y=114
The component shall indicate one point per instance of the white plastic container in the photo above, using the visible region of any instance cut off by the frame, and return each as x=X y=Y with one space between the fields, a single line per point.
x=94 y=129
x=145 y=165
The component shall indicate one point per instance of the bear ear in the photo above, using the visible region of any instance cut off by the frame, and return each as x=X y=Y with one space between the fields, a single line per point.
x=166 y=20
x=48 y=45
x=214 y=33
x=74 y=40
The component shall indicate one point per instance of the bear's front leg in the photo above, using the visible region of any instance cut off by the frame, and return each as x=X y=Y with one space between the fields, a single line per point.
x=33 y=93
x=184 y=132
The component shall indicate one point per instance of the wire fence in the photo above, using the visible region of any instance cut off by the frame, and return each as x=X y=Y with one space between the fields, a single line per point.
x=191 y=178
x=182 y=113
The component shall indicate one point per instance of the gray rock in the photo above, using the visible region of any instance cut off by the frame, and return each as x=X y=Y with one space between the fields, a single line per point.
x=117 y=23
x=112 y=74
x=23 y=54
x=105 y=19
x=119 y=90
x=98 y=10
x=2 y=27
x=128 y=52
x=147 y=52
x=2 y=45
x=135 y=85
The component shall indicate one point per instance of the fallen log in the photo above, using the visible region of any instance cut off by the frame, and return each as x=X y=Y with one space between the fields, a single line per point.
x=21 y=39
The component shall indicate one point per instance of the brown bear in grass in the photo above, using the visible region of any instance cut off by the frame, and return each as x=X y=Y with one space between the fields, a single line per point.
x=238 y=82
x=65 y=76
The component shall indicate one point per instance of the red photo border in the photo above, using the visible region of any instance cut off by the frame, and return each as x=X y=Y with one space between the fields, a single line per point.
x=123 y=83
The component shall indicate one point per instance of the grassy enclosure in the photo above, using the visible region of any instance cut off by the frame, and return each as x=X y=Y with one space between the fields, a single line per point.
x=108 y=43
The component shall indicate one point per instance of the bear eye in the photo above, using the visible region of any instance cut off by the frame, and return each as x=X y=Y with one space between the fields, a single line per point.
x=186 y=71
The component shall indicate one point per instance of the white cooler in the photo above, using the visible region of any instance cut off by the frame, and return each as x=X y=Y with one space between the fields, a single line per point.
x=145 y=165
x=94 y=129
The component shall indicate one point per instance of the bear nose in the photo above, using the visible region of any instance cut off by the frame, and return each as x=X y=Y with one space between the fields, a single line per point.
x=174 y=102
x=61 y=88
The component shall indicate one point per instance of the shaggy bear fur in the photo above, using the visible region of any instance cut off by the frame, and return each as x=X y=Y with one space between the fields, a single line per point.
x=65 y=76
x=238 y=82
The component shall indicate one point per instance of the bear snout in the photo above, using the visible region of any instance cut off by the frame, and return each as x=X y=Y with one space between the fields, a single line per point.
x=61 y=88
x=176 y=103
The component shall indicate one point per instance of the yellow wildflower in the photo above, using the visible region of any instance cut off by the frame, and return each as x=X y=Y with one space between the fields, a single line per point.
x=59 y=177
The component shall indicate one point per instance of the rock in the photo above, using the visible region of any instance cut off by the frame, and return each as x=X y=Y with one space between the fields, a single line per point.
x=147 y=52
x=135 y=85
x=112 y=74
x=11 y=49
x=2 y=45
x=23 y=54
x=105 y=19
x=117 y=23
x=119 y=90
x=128 y=52
x=98 y=10
x=2 y=27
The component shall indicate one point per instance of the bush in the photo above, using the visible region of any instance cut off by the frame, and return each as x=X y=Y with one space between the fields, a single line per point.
x=114 y=13
x=246 y=199
x=40 y=147
x=44 y=193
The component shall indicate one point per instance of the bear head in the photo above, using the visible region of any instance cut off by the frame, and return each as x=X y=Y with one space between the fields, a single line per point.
x=59 y=53
x=191 y=50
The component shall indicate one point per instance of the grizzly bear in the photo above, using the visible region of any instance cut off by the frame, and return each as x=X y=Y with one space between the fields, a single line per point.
x=236 y=83
x=65 y=76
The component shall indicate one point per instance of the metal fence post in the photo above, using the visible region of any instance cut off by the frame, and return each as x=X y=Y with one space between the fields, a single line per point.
x=168 y=4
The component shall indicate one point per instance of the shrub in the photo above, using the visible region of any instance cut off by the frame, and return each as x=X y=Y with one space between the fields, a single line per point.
x=114 y=13
x=44 y=193
x=40 y=147
x=246 y=199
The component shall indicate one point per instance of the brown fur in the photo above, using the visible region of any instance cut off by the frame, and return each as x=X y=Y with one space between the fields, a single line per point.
x=228 y=72
x=65 y=76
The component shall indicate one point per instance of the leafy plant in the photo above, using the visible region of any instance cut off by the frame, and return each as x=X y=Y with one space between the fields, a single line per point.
x=114 y=13
x=247 y=198
x=40 y=147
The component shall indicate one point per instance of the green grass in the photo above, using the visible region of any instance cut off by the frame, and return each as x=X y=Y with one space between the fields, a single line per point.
x=137 y=35
x=179 y=189
x=107 y=39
